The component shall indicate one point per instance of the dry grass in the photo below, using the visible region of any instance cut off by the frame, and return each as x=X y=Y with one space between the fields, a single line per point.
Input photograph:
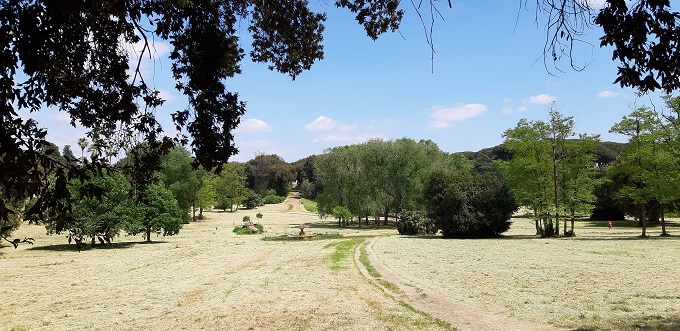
x=202 y=278
x=601 y=280
x=208 y=278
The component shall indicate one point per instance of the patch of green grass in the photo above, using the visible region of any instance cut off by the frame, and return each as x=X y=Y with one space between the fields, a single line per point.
x=19 y=328
x=433 y=320
x=363 y=258
x=343 y=250
x=310 y=205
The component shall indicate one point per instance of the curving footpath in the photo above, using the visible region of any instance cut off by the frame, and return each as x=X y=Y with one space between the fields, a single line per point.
x=457 y=314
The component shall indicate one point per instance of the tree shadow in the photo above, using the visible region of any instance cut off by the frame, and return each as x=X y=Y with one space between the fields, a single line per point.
x=334 y=225
x=88 y=247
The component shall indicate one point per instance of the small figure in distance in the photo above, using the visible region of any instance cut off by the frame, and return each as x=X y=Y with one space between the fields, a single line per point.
x=610 y=224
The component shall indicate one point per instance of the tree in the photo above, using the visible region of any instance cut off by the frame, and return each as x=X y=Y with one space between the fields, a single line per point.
x=269 y=172
x=205 y=196
x=99 y=218
x=543 y=151
x=181 y=179
x=647 y=169
x=230 y=185
x=69 y=158
x=529 y=170
x=468 y=205
x=158 y=213
x=82 y=143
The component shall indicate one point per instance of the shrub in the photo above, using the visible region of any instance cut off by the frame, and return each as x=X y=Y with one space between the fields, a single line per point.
x=246 y=219
x=465 y=205
x=273 y=199
x=245 y=230
x=252 y=200
x=410 y=223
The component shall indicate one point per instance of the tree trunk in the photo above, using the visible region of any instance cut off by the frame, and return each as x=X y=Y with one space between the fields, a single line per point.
x=200 y=213
x=643 y=220
x=148 y=233
x=663 y=222
x=193 y=212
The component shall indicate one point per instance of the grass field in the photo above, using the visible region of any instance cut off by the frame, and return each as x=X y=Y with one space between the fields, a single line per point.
x=209 y=278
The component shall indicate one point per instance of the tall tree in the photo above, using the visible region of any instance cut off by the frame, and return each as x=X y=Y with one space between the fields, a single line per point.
x=230 y=185
x=178 y=175
x=646 y=170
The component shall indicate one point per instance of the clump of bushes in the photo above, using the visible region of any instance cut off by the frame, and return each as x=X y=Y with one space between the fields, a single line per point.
x=272 y=198
x=469 y=205
x=248 y=227
x=413 y=223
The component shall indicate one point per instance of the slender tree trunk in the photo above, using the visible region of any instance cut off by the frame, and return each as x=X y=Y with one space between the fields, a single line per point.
x=200 y=213
x=148 y=232
x=643 y=220
x=663 y=222
x=193 y=212
x=387 y=212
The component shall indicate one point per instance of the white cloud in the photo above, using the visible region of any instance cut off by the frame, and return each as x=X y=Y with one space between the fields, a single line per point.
x=253 y=125
x=166 y=95
x=322 y=123
x=438 y=125
x=509 y=110
x=541 y=99
x=608 y=94
x=506 y=100
x=442 y=116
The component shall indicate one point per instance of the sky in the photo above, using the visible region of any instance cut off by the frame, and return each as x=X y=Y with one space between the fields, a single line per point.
x=486 y=75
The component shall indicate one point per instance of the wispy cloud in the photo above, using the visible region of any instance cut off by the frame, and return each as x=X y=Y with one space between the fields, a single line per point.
x=323 y=123
x=443 y=116
x=541 y=99
x=506 y=99
x=253 y=125
x=608 y=94
x=510 y=110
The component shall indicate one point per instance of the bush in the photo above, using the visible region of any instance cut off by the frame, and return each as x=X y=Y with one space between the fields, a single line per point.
x=410 y=223
x=465 y=205
x=244 y=230
x=273 y=199
x=252 y=200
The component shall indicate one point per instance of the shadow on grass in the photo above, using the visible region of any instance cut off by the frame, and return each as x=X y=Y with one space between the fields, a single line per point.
x=334 y=225
x=642 y=323
x=88 y=247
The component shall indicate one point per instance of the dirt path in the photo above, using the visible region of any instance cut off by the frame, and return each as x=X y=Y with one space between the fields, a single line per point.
x=294 y=202
x=457 y=314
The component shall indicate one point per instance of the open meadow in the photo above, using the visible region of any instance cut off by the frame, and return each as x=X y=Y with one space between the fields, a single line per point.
x=209 y=278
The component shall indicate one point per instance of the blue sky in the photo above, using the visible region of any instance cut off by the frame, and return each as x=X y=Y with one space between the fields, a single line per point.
x=486 y=75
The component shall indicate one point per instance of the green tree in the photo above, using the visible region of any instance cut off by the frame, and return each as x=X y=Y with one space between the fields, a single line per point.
x=468 y=205
x=178 y=175
x=230 y=185
x=529 y=170
x=269 y=172
x=100 y=218
x=645 y=168
x=158 y=213
x=205 y=196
